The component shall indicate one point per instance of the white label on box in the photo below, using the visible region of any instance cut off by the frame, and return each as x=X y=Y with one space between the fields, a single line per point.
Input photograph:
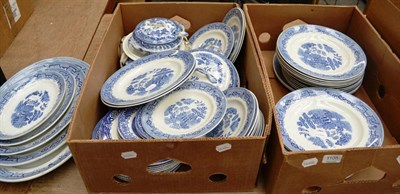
x=398 y=159
x=15 y=10
x=309 y=162
x=128 y=155
x=223 y=147
x=332 y=159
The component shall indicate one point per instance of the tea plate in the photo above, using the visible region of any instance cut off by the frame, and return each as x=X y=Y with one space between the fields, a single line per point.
x=37 y=168
x=125 y=123
x=157 y=31
x=235 y=19
x=148 y=78
x=37 y=154
x=216 y=36
x=130 y=50
x=240 y=116
x=107 y=127
x=216 y=69
x=324 y=118
x=29 y=102
x=190 y=111
x=321 y=52
x=75 y=67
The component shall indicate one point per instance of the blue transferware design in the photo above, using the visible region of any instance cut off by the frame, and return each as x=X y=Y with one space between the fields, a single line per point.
x=104 y=126
x=232 y=119
x=211 y=43
x=235 y=20
x=218 y=100
x=149 y=82
x=324 y=128
x=320 y=56
x=28 y=114
x=375 y=128
x=216 y=68
x=334 y=59
x=186 y=62
x=126 y=127
x=185 y=113
x=30 y=109
x=138 y=126
x=157 y=31
x=147 y=48
x=50 y=147
x=65 y=66
x=36 y=169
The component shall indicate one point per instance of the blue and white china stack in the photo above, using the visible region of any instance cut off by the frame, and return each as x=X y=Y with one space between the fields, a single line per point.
x=325 y=118
x=182 y=94
x=36 y=107
x=161 y=34
x=317 y=56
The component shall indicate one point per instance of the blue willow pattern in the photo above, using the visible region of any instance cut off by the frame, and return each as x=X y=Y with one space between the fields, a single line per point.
x=150 y=81
x=185 y=113
x=30 y=109
x=320 y=56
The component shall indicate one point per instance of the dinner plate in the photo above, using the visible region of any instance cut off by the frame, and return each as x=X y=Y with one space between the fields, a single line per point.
x=137 y=125
x=325 y=118
x=157 y=30
x=321 y=52
x=125 y=123
x=29 y=102
x=240 y=116
x=37 y=154
x=278 y=73
x=216 y=69
x=190 y=111
x=148 y=78
x=46 y=132
x=107 y=127
x=216 y=36
x=235 y=19
x=35 y=169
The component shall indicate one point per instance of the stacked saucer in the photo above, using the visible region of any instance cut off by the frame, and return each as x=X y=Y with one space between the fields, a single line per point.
x=326 y=118
x=36 y=107
x=236 y=20
x=312 y=55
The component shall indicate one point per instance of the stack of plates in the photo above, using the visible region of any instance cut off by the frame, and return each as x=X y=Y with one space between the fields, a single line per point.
x=311 y=55
x=325 y=118
x=36 y=106
x=242 y=117
x=160 y=34
x=152 y=36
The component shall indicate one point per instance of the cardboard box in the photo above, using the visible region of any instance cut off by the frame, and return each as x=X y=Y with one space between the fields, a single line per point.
x=13 y=15
x=100 y=162
x=358 y=170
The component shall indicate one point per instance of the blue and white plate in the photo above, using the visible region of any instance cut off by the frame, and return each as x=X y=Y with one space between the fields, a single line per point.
x=216 y=36
x=321 y=52
x=240 y=116
x=235 y=19
x=216 y=69
x=153 y=48
x=130 y=50
x=324 y=118
x=37 y=168
x=126 y=123
x=29 y=102
x=107 y=127
x=278 y=73
x=147 y=78
x=190 y=111
x=137 y=125
x=46 y=131
x=157 y=30
x=37 y=154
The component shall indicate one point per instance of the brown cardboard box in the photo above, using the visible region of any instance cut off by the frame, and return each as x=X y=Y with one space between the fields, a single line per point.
x=100 y=161
x=360 y=170
x=12 y=18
